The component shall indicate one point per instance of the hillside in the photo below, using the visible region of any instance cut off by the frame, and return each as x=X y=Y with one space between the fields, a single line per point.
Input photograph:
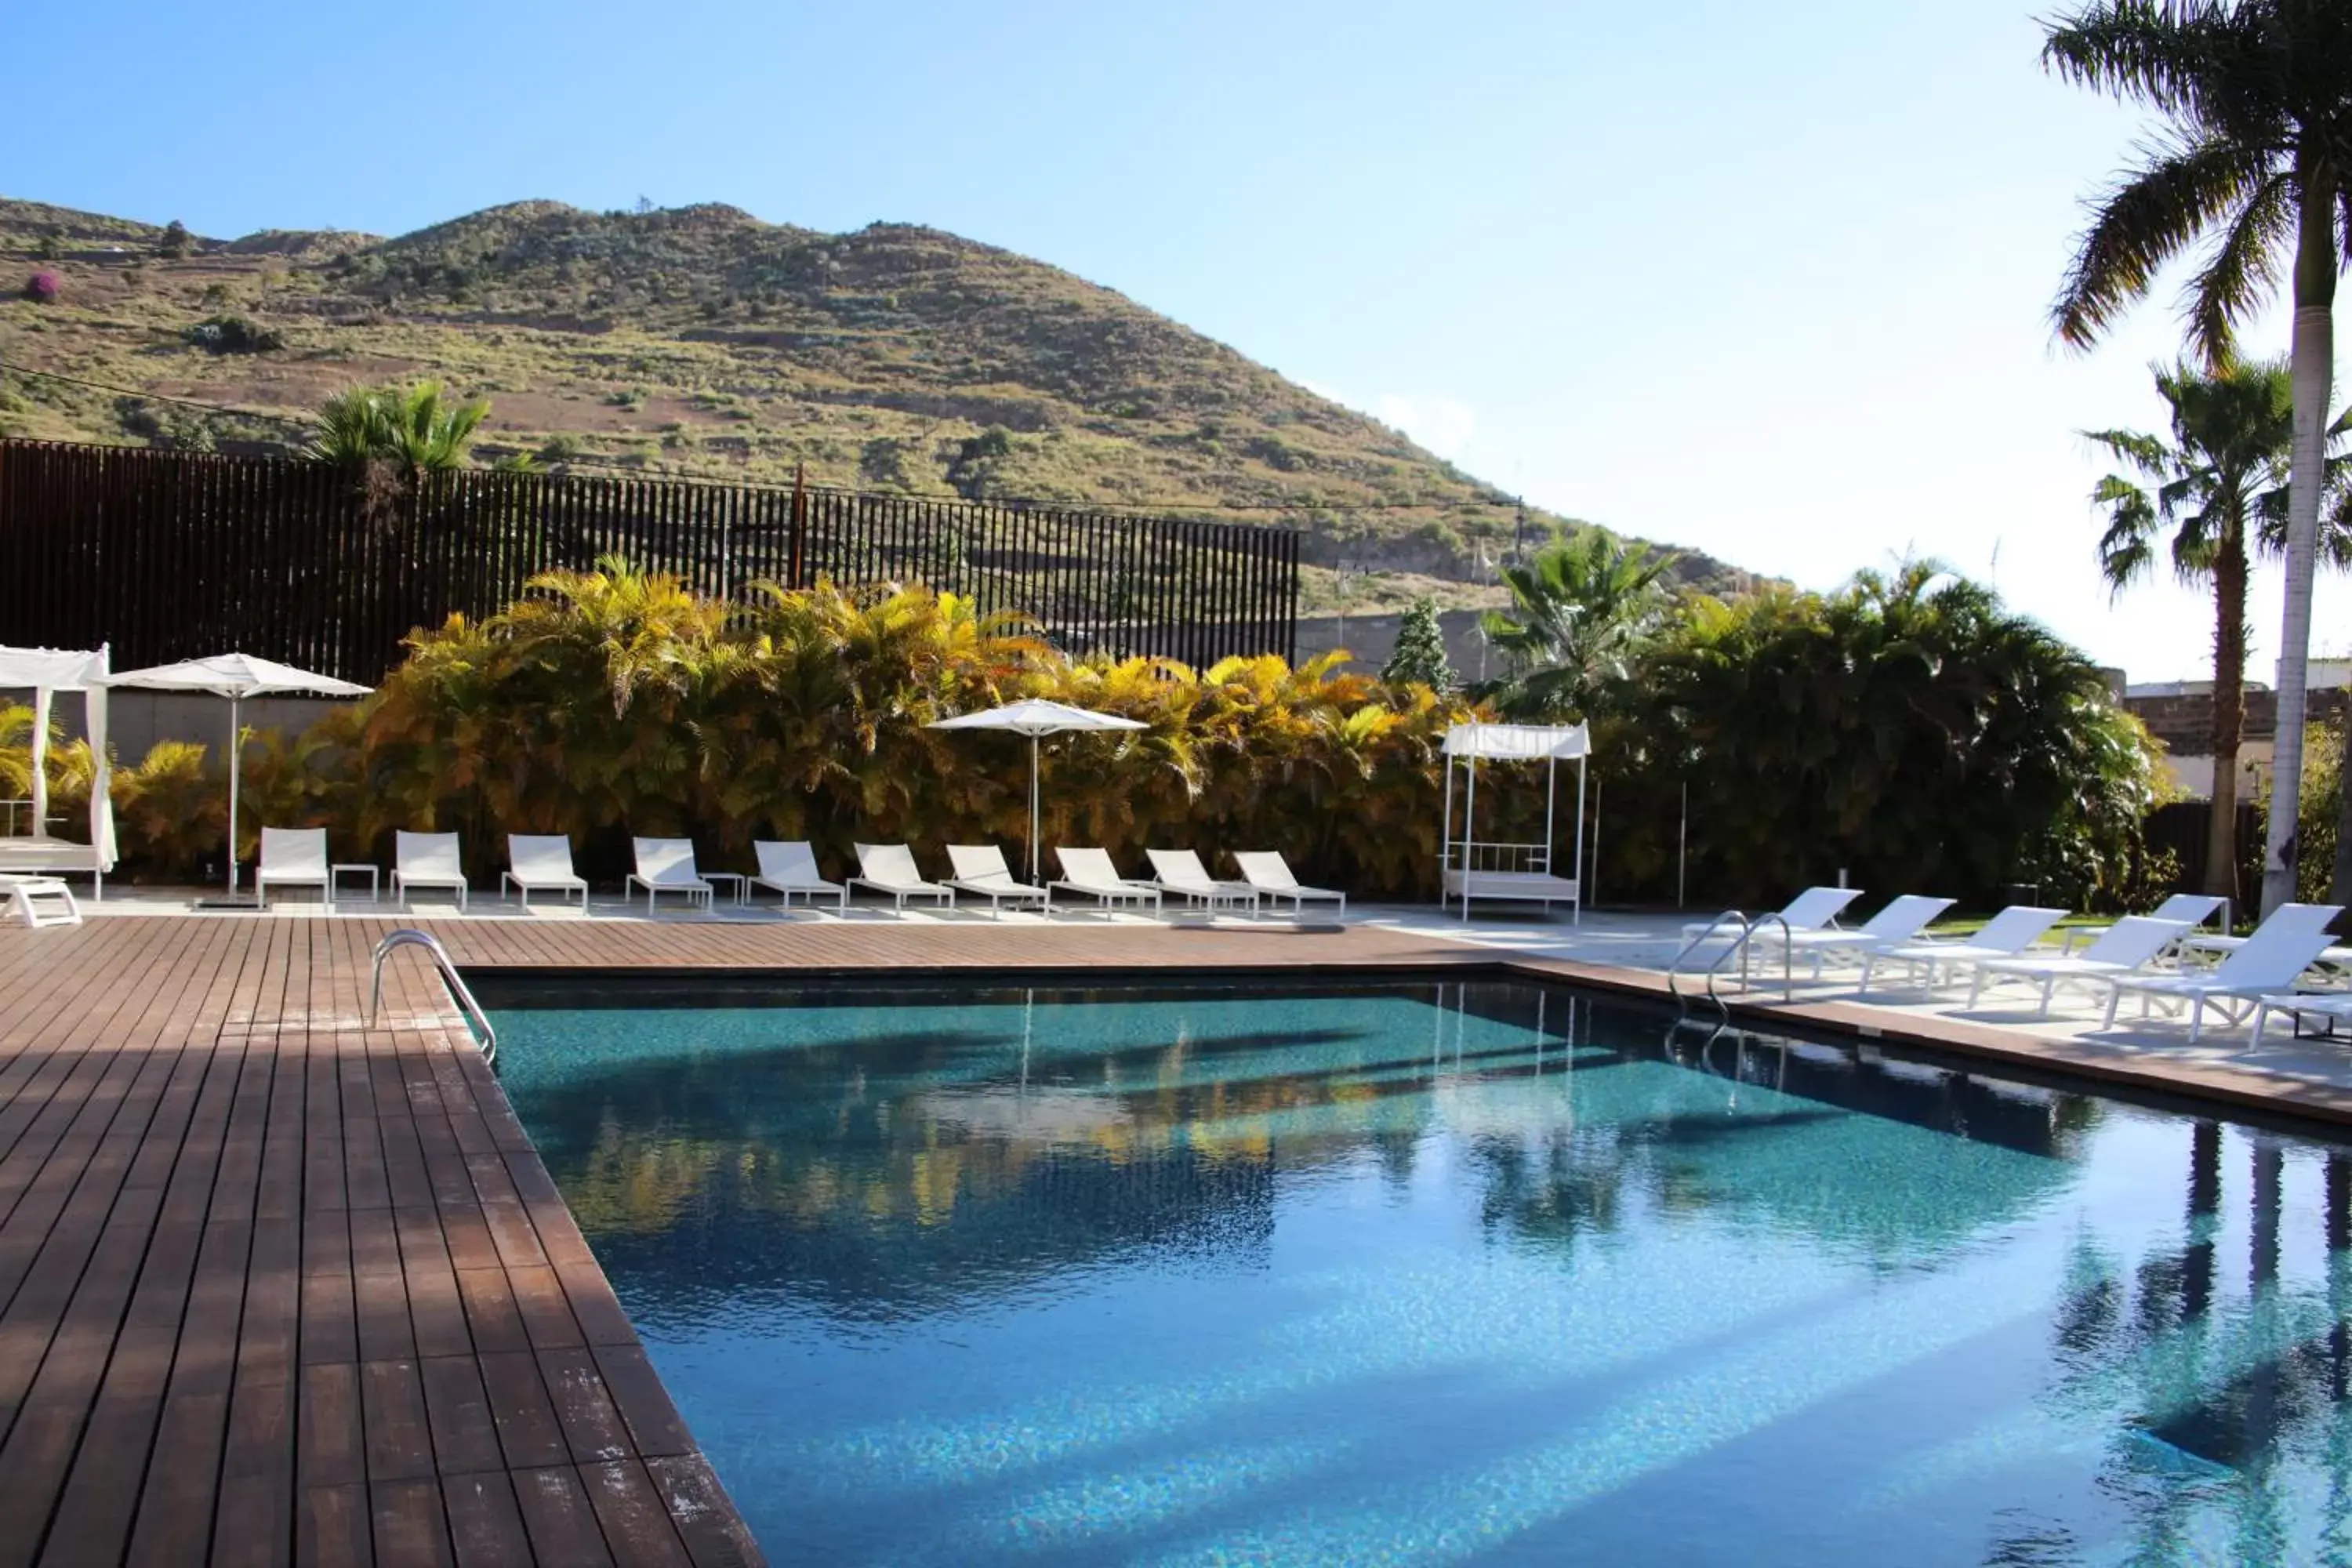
x=701 y=341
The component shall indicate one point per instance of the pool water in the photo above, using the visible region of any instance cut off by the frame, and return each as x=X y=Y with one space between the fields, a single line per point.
x=1417 y=1273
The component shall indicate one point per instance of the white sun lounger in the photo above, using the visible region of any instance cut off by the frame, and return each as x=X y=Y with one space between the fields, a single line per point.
x=666 y=866
x=1090 y=872
x=2272 y=960
x=2336 y=1007
x=540 y=863
x=1811 y=909
x=1270 y=874
x=1180 y=871
x=980 y=869
x=293 y=858
x=2005 y=935
x=789 y=866
x=2124 y=948
x=1899 y=922
x=2298 y=918
x=40 y=901
x=2195 y=908
x=890 y=868
x=427 y=860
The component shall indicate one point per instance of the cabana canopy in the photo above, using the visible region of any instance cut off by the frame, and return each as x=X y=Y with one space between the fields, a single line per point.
x=45 y=671
x=1518 y=742
x=1471 y=867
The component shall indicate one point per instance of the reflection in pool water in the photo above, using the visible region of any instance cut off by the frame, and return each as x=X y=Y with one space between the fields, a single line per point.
x=1412 y=1273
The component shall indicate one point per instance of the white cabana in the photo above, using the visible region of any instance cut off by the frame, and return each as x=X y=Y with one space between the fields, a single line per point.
x=1472 y=868
x=1034 y=717
x=236 y=676
x=45 y=672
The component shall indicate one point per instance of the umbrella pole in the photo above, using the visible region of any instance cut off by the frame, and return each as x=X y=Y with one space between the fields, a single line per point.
x=1036 y=857
x=235 y=766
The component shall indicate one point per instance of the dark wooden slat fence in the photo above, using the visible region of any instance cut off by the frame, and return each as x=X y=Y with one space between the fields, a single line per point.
x=171 y=555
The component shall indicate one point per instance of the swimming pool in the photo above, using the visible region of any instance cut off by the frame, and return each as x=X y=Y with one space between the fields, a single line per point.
x=1480 y=1272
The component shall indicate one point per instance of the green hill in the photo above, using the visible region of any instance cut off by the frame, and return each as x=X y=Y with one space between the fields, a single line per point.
x=701 y=341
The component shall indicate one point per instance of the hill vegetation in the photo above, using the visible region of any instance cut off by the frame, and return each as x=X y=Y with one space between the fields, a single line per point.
x=700 y=340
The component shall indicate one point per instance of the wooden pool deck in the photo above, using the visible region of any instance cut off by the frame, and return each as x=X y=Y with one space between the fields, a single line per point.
x=279 y=1287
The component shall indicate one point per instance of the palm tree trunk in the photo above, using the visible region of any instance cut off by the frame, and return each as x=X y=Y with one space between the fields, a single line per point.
x=2313 y=369
x=2228 y=714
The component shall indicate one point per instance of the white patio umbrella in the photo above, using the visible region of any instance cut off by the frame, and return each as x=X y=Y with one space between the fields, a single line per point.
x=1034 y=717
x=237 y=676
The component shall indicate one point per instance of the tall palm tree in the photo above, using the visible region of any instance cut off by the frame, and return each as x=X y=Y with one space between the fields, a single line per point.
x=2256 y=96
x=2221 y=487
x=1580 y=609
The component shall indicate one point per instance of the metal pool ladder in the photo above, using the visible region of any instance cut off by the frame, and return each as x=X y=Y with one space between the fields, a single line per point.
x=449 y=977
x=1740 y=945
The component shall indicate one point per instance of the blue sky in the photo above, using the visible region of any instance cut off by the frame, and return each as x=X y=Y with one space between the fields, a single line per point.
x=1769 y=282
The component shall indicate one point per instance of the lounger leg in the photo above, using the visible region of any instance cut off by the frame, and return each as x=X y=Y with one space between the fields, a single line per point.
x=2196 y=1017
x=2262 y=1016
x=2049 y=989
x=2114 y=1000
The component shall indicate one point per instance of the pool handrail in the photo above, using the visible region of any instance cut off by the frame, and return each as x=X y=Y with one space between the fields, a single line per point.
x=464 y=995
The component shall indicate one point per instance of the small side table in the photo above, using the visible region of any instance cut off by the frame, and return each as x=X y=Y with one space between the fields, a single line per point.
x=743 y=883
x=335 y=874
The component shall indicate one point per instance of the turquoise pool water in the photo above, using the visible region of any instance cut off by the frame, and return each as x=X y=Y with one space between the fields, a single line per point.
x=1477 y=1274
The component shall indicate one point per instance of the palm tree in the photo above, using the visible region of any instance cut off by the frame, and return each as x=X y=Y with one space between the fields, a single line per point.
x=2221 y=487
x=2257 y=152
x=1580 y=610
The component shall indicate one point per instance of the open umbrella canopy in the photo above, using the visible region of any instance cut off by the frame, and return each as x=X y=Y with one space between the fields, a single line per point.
x=237 y=676
x=1034 y=717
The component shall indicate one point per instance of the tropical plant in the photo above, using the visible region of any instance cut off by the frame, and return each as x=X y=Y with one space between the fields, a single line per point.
x=1906 y=730
x=2256 y=151
x=1420 y=651
x=412 y=429
x=1580 y=610
x=2219 y=488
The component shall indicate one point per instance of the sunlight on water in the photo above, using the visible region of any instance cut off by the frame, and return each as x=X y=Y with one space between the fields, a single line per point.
x=1398 y=1273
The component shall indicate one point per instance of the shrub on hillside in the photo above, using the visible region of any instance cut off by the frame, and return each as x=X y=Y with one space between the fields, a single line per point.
x=42 y=287
x=234 y=336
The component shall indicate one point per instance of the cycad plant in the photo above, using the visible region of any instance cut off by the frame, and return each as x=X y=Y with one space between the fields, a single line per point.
x=2219 y=486
x=2254 y=157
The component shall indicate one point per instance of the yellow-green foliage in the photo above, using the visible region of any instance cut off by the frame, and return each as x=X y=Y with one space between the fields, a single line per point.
x=614 y=702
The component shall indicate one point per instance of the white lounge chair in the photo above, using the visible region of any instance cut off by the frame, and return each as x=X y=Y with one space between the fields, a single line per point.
x=293 y=858
x=2195 y=908
x=1270 y=874
x=666 y=866
x=2124 y=948
x=540 y=863
x=2272 y=960
x=789 y=866
x=1180 y=871
x=890 y=868
x=427 y=860
x=1813 y=909
x=2336 y=1007
x=1899 y=922
x=1090 y=872
x=2005 y=935
x=40 y=901
x=2300 y=919
x=979 y=868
